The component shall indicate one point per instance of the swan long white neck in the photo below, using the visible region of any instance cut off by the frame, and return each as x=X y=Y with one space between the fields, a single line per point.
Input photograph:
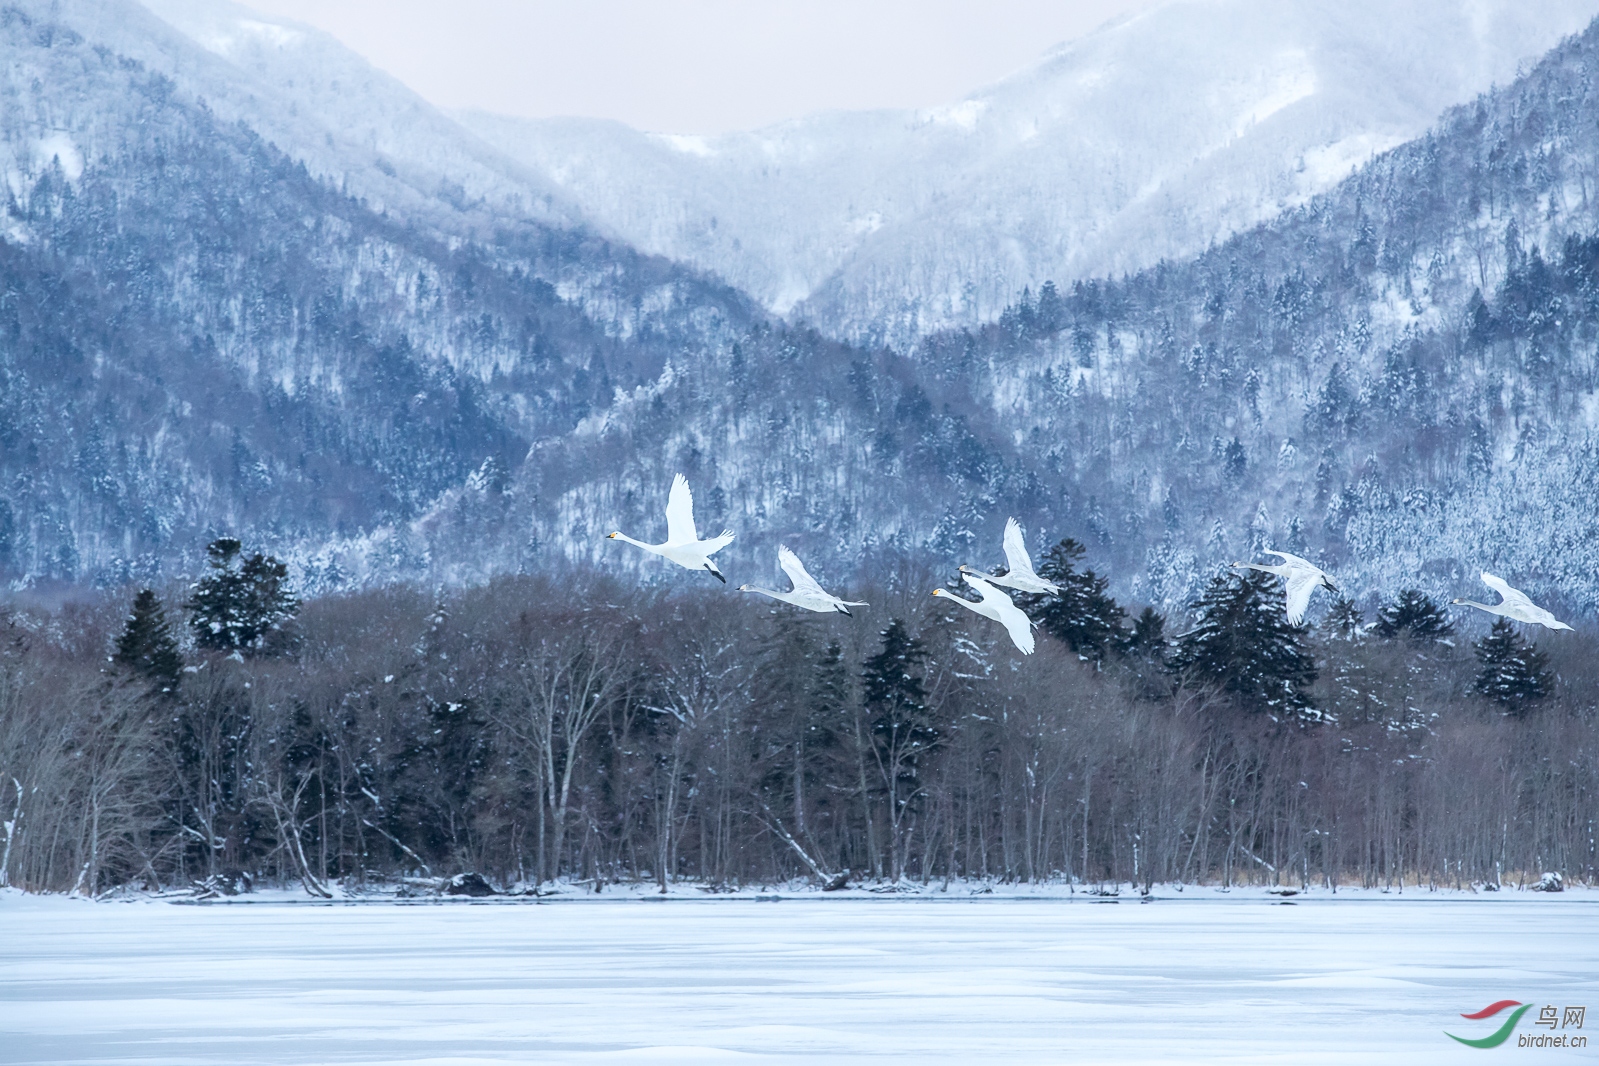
x=638 y=543
x=976 y=608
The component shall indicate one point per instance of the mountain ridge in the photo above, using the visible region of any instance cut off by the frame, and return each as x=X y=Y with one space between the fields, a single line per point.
x=1152 y=138
x=201 y=336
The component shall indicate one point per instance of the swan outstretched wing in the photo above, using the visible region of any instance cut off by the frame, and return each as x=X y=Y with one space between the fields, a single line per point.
x=803 y=582
x=1020 y=628
x=1016 y=556
x=1302 y=581
x=1292 y=560
x=1512 y=597
x=716 y=543
x=988 y=592
x=680 y=513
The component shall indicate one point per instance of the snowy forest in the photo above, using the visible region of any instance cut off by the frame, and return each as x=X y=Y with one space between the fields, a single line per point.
x=589 y=730
x=308 y=453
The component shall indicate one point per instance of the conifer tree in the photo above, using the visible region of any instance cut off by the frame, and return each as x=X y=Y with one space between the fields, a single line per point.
x=1146 y=650
x=242 y=602
x=895 y=693
x=1235 y=461
x=1344 y=619
x=1147 y=638
x=1244 y=645
x=1051 y=310
x=829 y=695
x=146 y=645
x=1414 y=615
x=1082 y=617
x=1513 y=673
x=902 y=727
x=804 y=688
x=824 y=723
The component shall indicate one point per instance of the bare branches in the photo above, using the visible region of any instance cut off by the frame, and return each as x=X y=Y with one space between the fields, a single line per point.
x=662 y=738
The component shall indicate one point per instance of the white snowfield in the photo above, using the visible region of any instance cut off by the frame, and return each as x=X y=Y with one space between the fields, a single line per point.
x=1205 y=977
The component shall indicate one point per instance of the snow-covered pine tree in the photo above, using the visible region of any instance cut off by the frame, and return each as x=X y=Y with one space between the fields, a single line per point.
x=1414 y=615
x=1082 y=617
x=147 y=646
x=1344 y=620
x=1235 y=461
x=1244 y=645
x=1513 y=673
x=242 y=602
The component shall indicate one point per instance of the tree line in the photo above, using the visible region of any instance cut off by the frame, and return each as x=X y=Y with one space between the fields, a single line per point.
x=572 y=728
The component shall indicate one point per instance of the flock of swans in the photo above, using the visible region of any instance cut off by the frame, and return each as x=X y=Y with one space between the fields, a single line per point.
x=1301 y=577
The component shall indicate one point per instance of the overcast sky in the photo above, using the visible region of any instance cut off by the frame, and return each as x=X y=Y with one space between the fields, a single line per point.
x=698 y=66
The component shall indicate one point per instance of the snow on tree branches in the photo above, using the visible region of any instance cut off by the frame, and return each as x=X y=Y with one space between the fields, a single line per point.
x=243 y=603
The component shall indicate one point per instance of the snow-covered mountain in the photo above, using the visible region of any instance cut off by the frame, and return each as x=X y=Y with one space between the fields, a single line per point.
x=200 y=330
x=350 y=124
x=1150 y=139
x=207 y=326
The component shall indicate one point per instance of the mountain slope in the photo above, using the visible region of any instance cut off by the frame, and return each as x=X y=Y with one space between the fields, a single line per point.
x=1149 y=139
x=325 y=106
x=198 y=335
x=350 y=124
x=1398 y=378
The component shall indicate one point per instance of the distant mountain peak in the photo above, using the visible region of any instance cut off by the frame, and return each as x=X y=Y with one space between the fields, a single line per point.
x=1151 y=138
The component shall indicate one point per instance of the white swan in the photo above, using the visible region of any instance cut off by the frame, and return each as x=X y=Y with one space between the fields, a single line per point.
x=1302 y=578
x=1513 y=603
x=1019 y=574
x=996 y=605
x=682 y=544
x=807 y=592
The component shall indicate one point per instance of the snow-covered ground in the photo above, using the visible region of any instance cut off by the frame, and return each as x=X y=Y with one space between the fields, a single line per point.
x=1206 y=977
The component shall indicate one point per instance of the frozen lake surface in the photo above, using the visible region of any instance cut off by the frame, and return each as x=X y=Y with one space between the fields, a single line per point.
x=1203 y=978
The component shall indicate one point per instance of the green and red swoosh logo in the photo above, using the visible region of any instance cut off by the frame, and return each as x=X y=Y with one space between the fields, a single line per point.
x=1503 y=1032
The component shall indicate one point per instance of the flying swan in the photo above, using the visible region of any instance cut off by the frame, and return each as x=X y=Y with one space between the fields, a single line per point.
x=1513 y=603
x=1302 y=577
x=996 y=605
x=682 y=544
x=807 y=593
x=1020 y=574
